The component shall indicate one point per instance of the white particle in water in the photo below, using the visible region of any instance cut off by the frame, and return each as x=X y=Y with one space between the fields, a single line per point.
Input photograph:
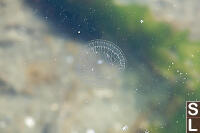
x=79 y=32
x=125 y=128
x=29 y=121
x=99 y=61
x=90 y=131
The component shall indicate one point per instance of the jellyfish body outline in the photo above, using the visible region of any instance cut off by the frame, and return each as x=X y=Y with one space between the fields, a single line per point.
x=110 y=52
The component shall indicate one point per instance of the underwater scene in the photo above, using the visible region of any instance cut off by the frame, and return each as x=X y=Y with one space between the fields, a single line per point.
x=99 y=66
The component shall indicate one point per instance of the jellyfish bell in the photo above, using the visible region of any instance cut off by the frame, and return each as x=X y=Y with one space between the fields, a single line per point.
x=101 y=61
x=108 y=52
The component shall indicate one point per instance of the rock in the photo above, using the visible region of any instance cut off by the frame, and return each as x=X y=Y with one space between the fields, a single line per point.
x=41 y=88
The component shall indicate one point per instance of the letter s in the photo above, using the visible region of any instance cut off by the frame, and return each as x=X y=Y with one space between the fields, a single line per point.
x=193 y=108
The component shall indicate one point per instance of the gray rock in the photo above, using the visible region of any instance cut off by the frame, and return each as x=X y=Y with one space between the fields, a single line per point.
x=41 y=88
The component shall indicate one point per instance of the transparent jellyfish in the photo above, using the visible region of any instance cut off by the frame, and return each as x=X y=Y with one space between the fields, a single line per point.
x=107 y=53
x=101 y=63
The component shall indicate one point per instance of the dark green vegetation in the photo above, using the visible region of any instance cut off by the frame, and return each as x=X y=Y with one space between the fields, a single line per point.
x=166 y=51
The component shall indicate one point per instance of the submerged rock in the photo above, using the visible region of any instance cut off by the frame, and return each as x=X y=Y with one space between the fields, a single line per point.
x=41 y=88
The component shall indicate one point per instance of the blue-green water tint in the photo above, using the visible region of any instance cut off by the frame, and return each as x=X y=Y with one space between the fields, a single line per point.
x=145 y=45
